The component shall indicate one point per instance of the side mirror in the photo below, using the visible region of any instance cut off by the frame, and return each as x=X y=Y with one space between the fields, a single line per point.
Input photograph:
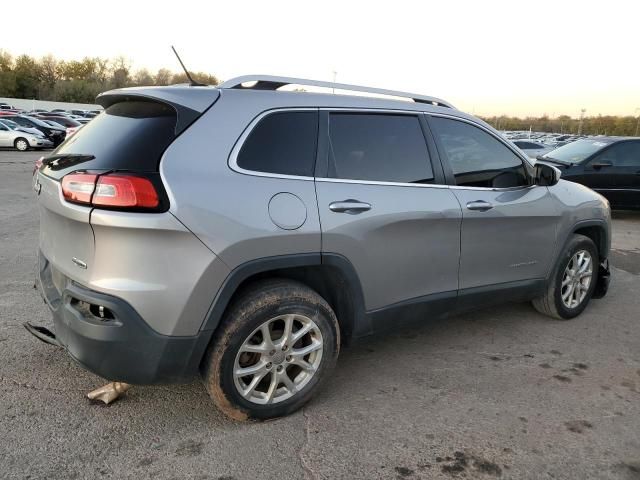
x=600 y=164
x=546 y=175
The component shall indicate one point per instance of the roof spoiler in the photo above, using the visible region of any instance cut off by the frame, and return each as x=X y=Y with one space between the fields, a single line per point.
x=188 y=102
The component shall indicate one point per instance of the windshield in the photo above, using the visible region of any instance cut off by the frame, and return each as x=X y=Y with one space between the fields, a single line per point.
x=11 y=124
x=577 y=151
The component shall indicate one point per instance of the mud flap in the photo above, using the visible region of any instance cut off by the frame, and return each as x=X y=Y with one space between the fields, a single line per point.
x=42 y=333
x=604 y=277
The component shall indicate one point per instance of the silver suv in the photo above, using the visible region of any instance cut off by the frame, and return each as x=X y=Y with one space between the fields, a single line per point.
x=246 y=233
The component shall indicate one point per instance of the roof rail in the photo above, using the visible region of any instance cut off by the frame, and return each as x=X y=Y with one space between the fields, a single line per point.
x=270 y=82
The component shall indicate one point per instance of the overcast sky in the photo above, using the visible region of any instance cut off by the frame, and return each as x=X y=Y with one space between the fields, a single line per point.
x=487 y=57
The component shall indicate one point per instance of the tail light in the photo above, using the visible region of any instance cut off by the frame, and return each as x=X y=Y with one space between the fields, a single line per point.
x=125 y=191
x=120 y=191
x=79 y=187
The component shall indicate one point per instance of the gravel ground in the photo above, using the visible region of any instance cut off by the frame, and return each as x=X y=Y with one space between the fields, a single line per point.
x=499 y=393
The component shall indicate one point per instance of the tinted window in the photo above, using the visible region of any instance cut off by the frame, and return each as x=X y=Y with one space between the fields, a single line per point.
x=387 y=148
x=21 y=121
x=282 y=143
x=624 y=154
x=130 y=135
x=477 y=158
x=10 y=123
x=29 y=122
x=528 y=145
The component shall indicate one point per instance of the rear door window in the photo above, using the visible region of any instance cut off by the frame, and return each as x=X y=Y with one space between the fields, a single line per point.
x=623 y=154
x=282 y=143
x=378 y=147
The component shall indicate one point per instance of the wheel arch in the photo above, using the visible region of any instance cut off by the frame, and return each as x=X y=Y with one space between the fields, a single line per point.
x=331 y=275
x=595 y=230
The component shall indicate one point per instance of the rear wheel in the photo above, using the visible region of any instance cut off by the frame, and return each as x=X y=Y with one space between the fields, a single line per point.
x=277 y=344
x=574 y=280
x=21 y=144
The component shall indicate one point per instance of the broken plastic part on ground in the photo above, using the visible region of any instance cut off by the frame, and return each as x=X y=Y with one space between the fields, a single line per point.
x=109 y=393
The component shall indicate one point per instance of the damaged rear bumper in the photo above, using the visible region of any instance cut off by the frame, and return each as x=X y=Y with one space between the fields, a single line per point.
x=604 y=278
x=109 y=338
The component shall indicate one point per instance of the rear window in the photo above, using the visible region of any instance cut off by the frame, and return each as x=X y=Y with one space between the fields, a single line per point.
x=129 y=135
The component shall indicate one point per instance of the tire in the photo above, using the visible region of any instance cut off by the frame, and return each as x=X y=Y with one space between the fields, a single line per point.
x=21 y=144
x=275 y=303
x=558 y=299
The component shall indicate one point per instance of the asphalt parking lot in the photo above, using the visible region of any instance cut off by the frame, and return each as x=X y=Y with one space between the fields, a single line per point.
x=499 y=393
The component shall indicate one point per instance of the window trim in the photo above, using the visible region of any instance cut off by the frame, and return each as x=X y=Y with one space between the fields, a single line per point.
x=322 y=162
x=232 y=162
x=447 y=166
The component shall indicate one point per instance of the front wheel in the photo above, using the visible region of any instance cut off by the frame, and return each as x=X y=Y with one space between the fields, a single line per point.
x=21 y=144
x=574 y=280
x=277 y=344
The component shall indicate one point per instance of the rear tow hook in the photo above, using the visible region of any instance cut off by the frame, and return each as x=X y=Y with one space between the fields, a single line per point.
x=42 y=333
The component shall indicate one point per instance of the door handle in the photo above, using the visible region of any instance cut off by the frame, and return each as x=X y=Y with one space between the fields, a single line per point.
x=349 y=206
x=479 y=205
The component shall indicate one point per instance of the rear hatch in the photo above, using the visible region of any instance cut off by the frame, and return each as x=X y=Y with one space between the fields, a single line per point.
x=119 y=149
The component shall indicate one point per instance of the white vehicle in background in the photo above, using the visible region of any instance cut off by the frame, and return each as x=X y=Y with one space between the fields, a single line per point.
x=15 y=126
x=20 y=140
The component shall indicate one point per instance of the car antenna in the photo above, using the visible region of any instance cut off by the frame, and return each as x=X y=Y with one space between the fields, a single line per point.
x=192 y=82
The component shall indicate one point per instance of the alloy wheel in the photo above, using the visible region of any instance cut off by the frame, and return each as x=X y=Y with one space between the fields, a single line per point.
x=278 y=359
x=576 y=279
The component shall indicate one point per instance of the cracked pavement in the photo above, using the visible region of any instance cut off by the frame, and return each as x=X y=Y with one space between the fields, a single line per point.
x=498 y=393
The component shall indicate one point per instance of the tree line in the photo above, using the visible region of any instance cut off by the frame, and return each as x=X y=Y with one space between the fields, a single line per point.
x=598 y=125
x=79 y=81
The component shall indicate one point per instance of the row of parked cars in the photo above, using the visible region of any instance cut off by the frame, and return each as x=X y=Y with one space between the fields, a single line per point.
x=535 y=144
x=39 y=129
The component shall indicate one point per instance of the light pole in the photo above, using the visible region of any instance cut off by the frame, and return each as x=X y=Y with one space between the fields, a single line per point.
x=581 y=119
x=335 y=74
x=638 y=122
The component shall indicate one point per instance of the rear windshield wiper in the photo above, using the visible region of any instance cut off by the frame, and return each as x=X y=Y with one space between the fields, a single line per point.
x=60 y=162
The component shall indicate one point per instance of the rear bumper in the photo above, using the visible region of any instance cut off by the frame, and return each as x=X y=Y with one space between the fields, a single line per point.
x=122 y=348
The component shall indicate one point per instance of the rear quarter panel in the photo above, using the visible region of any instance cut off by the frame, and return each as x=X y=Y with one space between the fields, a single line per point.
x=227 y=210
